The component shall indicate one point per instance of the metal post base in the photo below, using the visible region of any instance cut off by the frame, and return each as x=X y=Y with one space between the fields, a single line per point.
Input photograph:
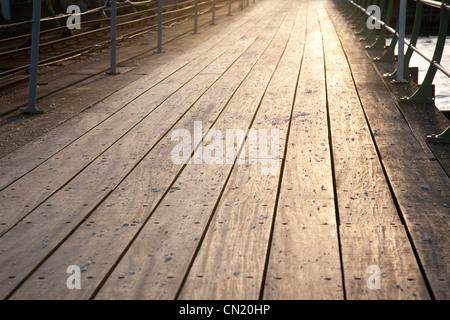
x=387 y=57
x=30 y=110
x=416 y=100
x=425 y=94
x=377 y=45
x=444 y=137
x=403 y=81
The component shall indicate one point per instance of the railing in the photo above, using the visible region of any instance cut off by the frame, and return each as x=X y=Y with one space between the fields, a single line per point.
x=101 y=10
x=358 y=12
x=189 y=5
x=145 y=8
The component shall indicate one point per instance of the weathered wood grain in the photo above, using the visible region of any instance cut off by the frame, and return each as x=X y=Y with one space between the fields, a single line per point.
x=24 y=195
x=304 y=258
x=371 y=230
x=418 y=185
x=110 y=231
x=353 y=187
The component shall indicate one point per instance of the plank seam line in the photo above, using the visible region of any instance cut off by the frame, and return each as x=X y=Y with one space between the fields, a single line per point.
x=46 y=257
x=388 y=182
x=333 y=169
x=97 y=290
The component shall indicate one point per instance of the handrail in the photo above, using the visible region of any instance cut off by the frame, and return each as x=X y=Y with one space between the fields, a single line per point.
x=124 y=3
x=356 y=10
x=435 y=4
x=35 y=45
x=432 y=3
x=83 y=23
x=107 y=19
x=51 y=43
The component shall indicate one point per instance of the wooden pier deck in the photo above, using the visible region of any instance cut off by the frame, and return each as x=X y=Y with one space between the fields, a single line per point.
x=354 y=195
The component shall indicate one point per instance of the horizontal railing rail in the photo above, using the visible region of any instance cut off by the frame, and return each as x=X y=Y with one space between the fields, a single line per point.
x=160 y=13
x=130 y=19
x=362 y=11
x=125 y=3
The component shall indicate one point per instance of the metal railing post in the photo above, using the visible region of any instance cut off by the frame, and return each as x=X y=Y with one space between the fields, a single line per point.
x=389 y=55
x=401 y=43
x=444 y=137
x=359 y=15
x=354 y=9
x=213 y=19
x=414 y=38
x=229 y=7
x=195 y=16
x=363 y=24
x=372 y=34
x=412 y=42
x=34 y=60
x=380 y=43
x=113 y=36
x=425 y=93
x=160 y=26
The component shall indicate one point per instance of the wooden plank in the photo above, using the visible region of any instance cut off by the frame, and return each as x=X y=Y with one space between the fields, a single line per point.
x=371 y=231
x=304 y=257
x=231 y=261
x=19 y=200
x=418 y=187
x=135 y=193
